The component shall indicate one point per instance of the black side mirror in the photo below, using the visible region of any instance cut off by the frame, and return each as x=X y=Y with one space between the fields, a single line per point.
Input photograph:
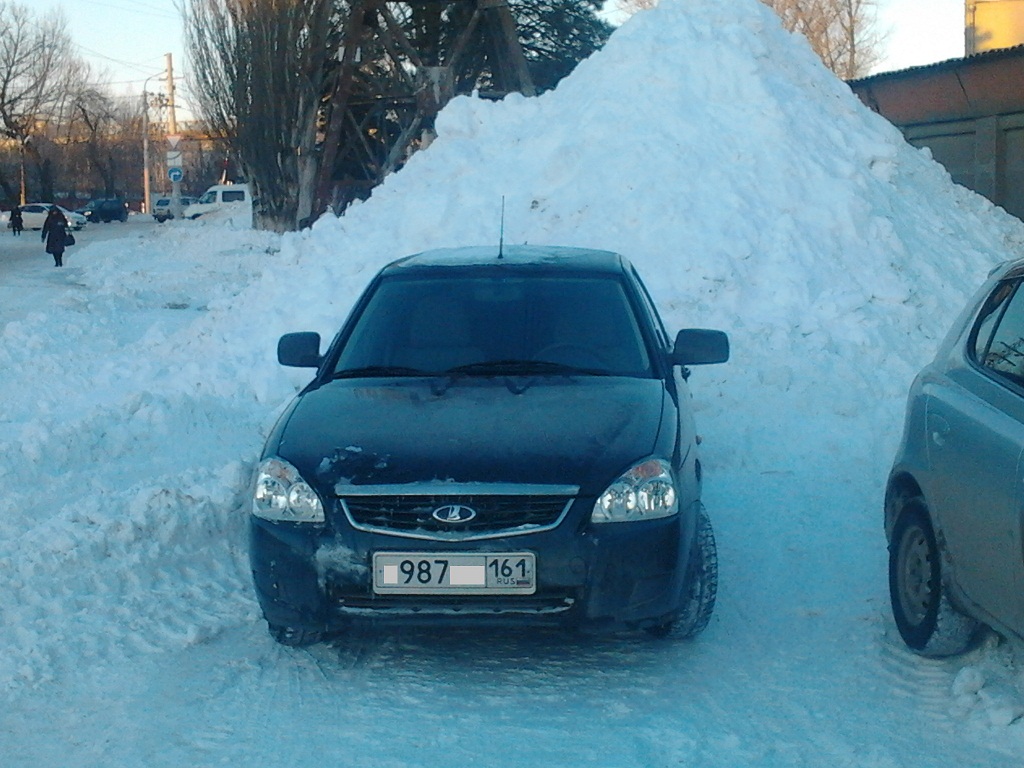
x=299 y=350
x=699 y=346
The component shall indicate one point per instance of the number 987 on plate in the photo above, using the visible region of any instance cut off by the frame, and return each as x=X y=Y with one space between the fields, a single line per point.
x=448 y=573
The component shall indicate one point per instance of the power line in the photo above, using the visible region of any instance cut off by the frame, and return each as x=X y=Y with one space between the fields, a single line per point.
x=132 y=64
x=139 y=8
x=155 y=14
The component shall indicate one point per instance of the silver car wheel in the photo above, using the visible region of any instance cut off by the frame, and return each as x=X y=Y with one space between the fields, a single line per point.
x=926 y=619
x=915 y=574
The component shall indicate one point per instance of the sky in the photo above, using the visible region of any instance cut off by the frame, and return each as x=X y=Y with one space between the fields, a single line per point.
x=920 y=32
x=129 y=38
x=125 y=39
x=757 y=195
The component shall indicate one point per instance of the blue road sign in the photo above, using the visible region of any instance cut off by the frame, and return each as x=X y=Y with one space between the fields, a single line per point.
x=175 y=174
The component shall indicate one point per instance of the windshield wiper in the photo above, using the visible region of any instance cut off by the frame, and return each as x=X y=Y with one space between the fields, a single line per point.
x=521 y=368
x=379 y=371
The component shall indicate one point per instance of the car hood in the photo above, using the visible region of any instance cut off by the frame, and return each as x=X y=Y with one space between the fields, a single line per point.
x=556 y=431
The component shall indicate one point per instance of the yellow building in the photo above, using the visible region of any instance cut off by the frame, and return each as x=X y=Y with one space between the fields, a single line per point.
x=991 y=24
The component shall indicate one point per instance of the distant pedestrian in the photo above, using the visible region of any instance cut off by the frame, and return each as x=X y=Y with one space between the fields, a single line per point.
x=17 y=223
x=55 y=234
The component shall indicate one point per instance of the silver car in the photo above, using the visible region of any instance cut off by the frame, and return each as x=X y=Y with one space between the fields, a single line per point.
x=163 y=207
x=34 y=214
x=954 y=503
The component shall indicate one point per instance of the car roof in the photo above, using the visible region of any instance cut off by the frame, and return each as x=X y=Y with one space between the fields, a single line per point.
x=549 y=257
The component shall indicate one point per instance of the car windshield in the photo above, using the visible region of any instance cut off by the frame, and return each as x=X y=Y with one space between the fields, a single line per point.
x=496 y=325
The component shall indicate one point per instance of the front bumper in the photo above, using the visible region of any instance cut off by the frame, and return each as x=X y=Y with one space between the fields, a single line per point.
x=594 y=577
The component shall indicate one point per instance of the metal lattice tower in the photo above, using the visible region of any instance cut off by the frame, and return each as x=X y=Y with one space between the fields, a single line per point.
x=401 y=63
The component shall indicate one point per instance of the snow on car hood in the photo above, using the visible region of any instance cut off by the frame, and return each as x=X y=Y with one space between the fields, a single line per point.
x=551 y=431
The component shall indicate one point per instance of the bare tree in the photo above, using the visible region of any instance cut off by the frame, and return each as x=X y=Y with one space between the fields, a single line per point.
x=101 y=138
x=259 y=82
x=842 y=32
x=95 y=123
x=35 y=77
x=59 y=125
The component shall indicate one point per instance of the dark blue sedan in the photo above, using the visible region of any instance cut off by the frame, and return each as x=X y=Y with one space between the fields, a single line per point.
x=494 y=436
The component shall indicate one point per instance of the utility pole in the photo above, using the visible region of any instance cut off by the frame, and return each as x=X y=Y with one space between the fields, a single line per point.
x=172 y=123
x=147 y=194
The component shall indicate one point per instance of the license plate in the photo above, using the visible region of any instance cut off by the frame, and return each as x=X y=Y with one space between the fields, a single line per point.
x=446 y=573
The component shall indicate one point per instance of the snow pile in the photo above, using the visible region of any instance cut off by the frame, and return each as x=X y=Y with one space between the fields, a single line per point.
x=754 y=194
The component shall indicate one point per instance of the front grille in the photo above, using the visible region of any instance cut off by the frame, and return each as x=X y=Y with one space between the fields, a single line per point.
x=494 y=515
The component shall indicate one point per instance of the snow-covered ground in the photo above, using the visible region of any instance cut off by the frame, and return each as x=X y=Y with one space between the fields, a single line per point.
x=755 y=194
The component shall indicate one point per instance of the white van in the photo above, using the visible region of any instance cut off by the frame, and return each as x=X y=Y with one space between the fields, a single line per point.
x=216 y=197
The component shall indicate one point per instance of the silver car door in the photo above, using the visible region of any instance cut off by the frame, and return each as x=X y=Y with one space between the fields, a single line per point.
x=975 y=422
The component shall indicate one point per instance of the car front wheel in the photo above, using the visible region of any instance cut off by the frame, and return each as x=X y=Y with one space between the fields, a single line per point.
x=701 y=586
x=926 y=620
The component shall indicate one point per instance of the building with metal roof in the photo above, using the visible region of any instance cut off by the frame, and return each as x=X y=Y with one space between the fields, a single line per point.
x=969 y=112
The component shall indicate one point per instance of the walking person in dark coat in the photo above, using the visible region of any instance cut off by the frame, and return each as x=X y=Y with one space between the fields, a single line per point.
x=55 y=233
x=17 y=223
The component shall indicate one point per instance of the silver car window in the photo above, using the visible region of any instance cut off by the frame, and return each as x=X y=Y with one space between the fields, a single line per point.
x=1003 y=352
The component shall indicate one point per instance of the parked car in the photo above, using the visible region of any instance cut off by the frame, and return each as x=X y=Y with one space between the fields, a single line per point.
x=34 y=214
x=217 y=197
x=494 y=435
x=106 y=210
x=163 y=207
x=953 y=513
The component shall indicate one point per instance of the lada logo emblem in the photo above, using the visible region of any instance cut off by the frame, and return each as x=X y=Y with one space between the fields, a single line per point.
x=453 y=514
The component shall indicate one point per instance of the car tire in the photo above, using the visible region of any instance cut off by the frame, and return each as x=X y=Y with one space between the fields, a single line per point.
x=927 y=621
x=701 y=586
x=293 y=637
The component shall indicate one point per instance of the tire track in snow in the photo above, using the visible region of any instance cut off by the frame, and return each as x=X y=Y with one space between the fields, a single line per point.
x=924 y=683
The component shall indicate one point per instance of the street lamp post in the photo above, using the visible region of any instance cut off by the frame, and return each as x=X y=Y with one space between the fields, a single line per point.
x=146 y=191
x=172 y=139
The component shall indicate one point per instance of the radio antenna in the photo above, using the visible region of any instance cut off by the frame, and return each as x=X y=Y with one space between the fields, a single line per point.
x=501 y=231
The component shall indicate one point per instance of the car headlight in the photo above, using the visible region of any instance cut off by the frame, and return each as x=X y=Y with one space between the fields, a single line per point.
x=280 y=494
x=645 y=492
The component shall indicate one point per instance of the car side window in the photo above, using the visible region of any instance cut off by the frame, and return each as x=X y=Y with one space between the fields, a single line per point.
x=999 y=333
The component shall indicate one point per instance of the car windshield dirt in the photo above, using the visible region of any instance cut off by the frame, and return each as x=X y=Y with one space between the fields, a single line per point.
x=496 y=325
